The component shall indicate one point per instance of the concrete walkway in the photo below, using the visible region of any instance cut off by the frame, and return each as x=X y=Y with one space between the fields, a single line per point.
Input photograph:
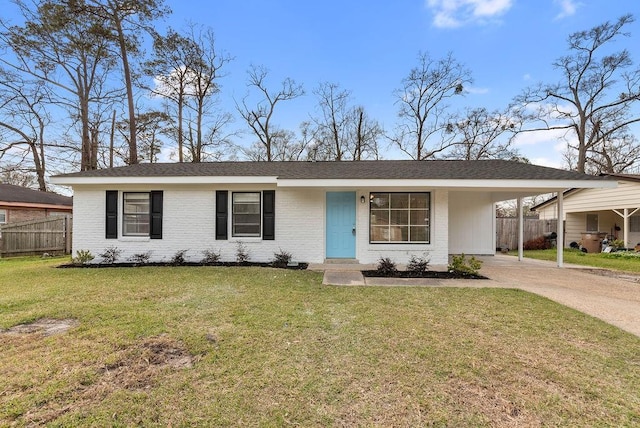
x=611 y=297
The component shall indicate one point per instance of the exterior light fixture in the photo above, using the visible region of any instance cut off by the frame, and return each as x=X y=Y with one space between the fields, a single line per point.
x=362 y=199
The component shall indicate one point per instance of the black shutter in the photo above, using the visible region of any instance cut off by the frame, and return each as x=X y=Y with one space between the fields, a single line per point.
x=111 y=224
x=222 y=200
x=156 y=215
x=269 y=215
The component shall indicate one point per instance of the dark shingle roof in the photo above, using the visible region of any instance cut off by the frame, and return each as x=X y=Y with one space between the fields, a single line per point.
x=12 y=193
x=384 y=169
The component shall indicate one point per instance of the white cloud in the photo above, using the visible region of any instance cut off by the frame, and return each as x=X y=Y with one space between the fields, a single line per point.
x=526 y=77
x=477 y=91
x=567 y=8
x=455 y=13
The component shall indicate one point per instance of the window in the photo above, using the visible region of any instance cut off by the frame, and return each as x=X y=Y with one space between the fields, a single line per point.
x=246 y=214
x=592 y=222
x=399 y=217
x=3 y=216
x=634 y=223
x=136 y=214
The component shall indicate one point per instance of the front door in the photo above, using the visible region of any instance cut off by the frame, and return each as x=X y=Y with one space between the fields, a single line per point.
x=341 y=225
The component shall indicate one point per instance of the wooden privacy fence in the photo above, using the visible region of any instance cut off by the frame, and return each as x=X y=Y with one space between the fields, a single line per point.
x=47 y=235
x=507 y=230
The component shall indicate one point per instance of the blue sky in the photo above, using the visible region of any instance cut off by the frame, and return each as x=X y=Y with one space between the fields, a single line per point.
x=368 y=47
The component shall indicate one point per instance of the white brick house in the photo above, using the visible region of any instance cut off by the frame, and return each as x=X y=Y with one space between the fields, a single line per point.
x=360 y=210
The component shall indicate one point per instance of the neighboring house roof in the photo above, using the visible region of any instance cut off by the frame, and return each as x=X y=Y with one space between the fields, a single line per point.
x=568 y=192
x=12 y=195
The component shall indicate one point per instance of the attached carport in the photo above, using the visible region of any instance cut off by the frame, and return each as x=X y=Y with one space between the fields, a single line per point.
x=475 y=206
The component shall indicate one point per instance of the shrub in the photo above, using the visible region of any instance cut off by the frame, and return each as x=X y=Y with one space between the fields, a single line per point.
x=110 y=255
x=617 y=244
x=460 y=264
x=418 y=265
x=281 y=259
x=210 y=257
x=242 y=254
x=82 y=257
x=141 y=258
x=386 y=267
x=539 y=243
x=178 y=258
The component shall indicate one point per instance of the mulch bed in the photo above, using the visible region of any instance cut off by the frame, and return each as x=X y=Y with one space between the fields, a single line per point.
x=427 y=274
x=297 y=266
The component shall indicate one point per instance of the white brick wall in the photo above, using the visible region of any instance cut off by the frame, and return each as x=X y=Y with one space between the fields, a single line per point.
x=189 y=224
x=436 y=251
x=189 y=221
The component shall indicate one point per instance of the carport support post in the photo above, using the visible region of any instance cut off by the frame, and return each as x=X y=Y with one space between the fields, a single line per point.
x=520 y=230
x=560 y=237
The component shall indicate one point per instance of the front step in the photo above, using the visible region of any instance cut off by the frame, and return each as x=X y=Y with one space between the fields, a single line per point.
x=341 y=262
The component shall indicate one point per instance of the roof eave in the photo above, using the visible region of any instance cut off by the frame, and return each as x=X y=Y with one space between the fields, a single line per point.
x=73 y=181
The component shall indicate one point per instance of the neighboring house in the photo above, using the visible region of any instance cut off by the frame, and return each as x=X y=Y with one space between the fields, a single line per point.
x=317 y=211
x=614 y=213
x=22 y=204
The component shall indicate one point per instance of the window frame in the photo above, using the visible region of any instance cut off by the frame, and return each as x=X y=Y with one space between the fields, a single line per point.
x=4 y=213
x=125 y=214
x=233 y=213
x=597 y=221
x=408 y=224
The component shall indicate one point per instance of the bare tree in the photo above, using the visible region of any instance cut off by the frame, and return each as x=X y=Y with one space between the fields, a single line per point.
x=343 y=132
x=23 y=120
x=332 y=121
x=593 y=100
x=122 y=22
x=422 y=101
x=365 y=133
x=67 y=51
x=259 y=117
x=480 y=134
x=169 y=68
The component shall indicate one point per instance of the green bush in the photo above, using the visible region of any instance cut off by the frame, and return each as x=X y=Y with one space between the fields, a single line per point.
x=281 y=259
x=386 y=266
x=460 y=264
x=211 y=257
x=418 y=265
x=179 y=258
x=82 y=257
x=110 y=255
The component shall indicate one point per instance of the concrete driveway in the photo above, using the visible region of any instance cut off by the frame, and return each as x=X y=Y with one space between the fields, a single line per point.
x=612 y=297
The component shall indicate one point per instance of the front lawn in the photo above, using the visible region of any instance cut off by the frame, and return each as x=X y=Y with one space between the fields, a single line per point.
x=221 y=346
x=622 y=261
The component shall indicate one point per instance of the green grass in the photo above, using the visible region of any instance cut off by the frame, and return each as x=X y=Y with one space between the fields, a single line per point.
x=622 y=261
x=276 y=348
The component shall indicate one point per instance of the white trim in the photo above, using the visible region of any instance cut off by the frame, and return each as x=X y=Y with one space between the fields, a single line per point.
x=521 y=185
x=487 y=184
x=71 y=181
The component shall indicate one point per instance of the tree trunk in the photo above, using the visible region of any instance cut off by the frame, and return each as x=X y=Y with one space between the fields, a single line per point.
x=133 y=147
x=112 y=138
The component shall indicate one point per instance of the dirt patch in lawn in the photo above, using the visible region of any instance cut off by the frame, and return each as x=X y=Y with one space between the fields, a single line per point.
x=137 y=367
x=490 y=403
x=45 y=326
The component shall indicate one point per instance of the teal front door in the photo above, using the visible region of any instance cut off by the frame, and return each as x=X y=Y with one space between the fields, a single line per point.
x=341 y=225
